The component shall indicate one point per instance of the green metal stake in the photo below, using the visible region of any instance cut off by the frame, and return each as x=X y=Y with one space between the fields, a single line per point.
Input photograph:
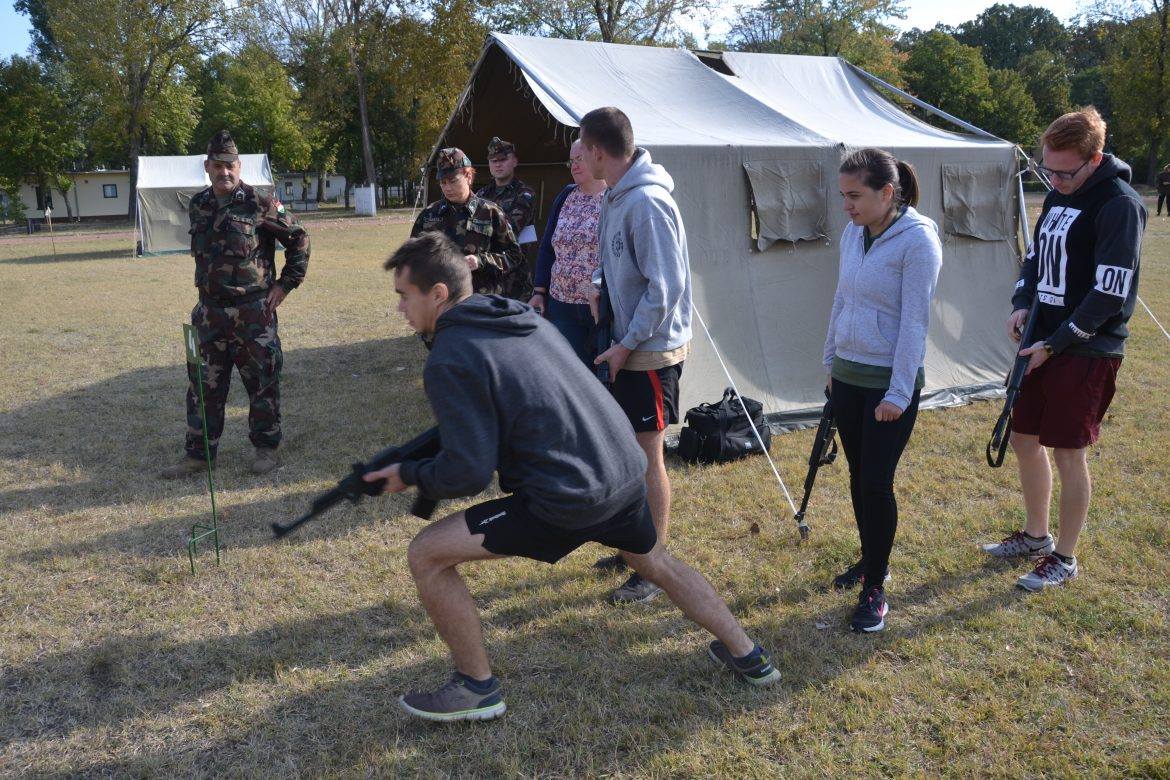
x=198 y=530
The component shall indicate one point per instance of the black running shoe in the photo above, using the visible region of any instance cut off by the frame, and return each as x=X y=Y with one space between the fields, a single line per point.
x=850 y=577
x=611 y=563
x=870 y=615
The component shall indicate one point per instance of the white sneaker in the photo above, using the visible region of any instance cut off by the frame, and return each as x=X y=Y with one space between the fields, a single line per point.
x=1049 y=571
x=1020 y=544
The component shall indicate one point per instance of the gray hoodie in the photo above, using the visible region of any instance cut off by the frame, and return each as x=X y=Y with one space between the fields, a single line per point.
x=510 y=395
x=643 y=249
x=881 y=311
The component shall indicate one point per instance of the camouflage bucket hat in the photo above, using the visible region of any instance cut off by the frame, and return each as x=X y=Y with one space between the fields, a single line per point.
x=221 y=147
x=497 y=146
x=450 y=160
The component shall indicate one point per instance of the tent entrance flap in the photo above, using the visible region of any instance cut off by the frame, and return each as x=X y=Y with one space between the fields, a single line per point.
x=977 y=201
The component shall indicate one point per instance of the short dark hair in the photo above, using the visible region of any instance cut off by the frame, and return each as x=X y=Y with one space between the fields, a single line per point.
x=610 y=129
x=433 y=258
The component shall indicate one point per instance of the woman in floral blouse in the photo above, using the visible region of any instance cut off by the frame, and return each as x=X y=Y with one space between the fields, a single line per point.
x=568 y=256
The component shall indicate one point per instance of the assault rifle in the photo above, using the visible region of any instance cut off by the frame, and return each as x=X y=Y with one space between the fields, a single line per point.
x=353 y=487
x=1000 y=436
x=603 y=333
x=824 y=452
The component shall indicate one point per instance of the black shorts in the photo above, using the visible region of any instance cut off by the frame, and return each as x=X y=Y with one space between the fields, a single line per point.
x=649 y=398
x=508 y=528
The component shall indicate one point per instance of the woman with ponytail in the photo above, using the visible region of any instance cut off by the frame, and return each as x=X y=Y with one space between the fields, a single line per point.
x=890 y=259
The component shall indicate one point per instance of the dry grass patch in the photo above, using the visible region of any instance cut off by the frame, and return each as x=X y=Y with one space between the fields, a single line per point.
x=287 y=659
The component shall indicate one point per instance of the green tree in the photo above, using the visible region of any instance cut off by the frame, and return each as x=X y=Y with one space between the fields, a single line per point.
x=857 y=30
x=1012 y=114
x=1005 y=33
x=1046 y=77
x=951 y=76
x=1137 y=72
x=134 y=54
x=39 y=134
x=612 y=21
x=250 y=95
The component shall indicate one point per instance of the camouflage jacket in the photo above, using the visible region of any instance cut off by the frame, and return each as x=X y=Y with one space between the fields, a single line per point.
x=480 y=228
x=516 y=198
x=234 y=245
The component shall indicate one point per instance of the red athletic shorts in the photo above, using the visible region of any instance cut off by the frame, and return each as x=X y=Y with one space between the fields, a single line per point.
x=1064 y=400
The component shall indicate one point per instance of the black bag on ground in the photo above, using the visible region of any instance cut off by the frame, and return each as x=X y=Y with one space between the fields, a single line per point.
x=720 y=432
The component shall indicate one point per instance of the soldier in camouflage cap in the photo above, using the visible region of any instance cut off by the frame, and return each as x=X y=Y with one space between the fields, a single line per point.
x=478 y=226
x=234 y=230
x=516 y=198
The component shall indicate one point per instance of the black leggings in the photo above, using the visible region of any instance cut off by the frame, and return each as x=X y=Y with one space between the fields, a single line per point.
x=872 y=449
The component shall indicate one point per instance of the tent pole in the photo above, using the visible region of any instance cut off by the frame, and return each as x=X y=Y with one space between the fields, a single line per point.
x=970 y=128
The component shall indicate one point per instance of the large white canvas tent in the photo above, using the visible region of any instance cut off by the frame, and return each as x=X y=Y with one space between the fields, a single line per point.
x=753 y=142
x=165 y=187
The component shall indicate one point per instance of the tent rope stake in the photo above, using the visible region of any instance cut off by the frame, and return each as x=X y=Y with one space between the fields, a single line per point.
x=764 y=449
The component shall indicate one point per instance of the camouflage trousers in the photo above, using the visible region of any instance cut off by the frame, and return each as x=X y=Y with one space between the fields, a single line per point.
x=244 y=336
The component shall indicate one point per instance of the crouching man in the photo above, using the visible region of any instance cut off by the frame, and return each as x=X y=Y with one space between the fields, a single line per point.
x=565 y=454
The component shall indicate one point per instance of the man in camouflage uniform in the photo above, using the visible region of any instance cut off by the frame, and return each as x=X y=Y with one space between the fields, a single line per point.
x=234 y=231
x=516 y=198
x=479 y=227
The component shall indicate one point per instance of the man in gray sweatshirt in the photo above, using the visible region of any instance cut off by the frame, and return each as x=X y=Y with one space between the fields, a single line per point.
x=643 y=249
x=565 y=456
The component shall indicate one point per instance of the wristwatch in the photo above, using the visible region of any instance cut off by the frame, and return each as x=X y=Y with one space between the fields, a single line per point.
x=1048 y=348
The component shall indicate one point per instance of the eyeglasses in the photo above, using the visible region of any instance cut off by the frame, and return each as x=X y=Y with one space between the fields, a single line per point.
x=1062 y=175
x=571 y=163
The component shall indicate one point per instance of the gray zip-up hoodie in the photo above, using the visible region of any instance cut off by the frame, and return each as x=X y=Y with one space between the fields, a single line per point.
x=881 y=311
x=510 y=395
x=643 y=248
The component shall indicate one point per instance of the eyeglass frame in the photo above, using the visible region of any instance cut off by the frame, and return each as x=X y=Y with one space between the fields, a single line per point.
x=1062 y=175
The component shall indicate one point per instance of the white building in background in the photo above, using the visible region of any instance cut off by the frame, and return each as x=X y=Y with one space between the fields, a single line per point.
x=94 y=194
x=289 y=186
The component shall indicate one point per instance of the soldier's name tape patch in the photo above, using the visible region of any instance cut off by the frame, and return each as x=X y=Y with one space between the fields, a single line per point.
x=1114 y=280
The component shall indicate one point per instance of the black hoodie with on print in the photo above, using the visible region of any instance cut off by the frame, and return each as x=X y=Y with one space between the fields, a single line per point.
x=1084 y=264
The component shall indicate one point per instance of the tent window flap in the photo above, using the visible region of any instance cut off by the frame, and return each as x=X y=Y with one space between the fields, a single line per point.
x=788 y=201
x=977 y=200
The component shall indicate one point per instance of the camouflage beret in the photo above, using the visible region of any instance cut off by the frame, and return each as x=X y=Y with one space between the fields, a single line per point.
x=221 y=147
x=497 y=146
x=451 y=160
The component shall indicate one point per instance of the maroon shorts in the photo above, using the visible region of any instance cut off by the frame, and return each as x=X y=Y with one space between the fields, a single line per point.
x=1064 y=400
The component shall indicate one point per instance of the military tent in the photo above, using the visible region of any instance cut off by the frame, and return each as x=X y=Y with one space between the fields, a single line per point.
x=165 y=187
x=753 y=142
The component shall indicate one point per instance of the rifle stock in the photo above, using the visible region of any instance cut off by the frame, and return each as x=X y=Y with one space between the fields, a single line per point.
x=603 y=333
x=1001 y=434
x=824 y=452
x=352 y=487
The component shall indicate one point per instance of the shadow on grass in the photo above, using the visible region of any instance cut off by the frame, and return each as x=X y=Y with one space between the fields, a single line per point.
x=341 y=724
x=340 y=404
x=74 y=256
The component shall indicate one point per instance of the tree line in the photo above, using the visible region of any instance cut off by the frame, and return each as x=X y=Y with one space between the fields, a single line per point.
x=363 y=87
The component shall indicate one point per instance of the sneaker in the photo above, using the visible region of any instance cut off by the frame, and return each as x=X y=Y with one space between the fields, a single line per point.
x=1049 y=571
x=853 y=576
x=870 y=615
x=455 y=701
x=266 y=460
x=756 y=668
x=1020 y=544
x=611 y=563
x=185 y=468
x=636 y=590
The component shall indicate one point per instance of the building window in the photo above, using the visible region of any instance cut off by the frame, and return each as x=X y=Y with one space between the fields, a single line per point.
x=40 y=199
x=109 y=190
x=326 y=184
x=288 y=188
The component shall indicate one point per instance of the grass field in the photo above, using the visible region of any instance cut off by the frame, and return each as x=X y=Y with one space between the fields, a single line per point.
x=286 y=660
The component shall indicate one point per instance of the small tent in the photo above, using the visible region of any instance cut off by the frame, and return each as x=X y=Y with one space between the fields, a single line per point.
x=165 y=187
x=753 y=142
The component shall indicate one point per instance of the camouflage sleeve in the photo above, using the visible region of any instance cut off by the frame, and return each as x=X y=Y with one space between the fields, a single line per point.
x=283 y=226
x=506 y=253
x=522 y=210
x=414 y=231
